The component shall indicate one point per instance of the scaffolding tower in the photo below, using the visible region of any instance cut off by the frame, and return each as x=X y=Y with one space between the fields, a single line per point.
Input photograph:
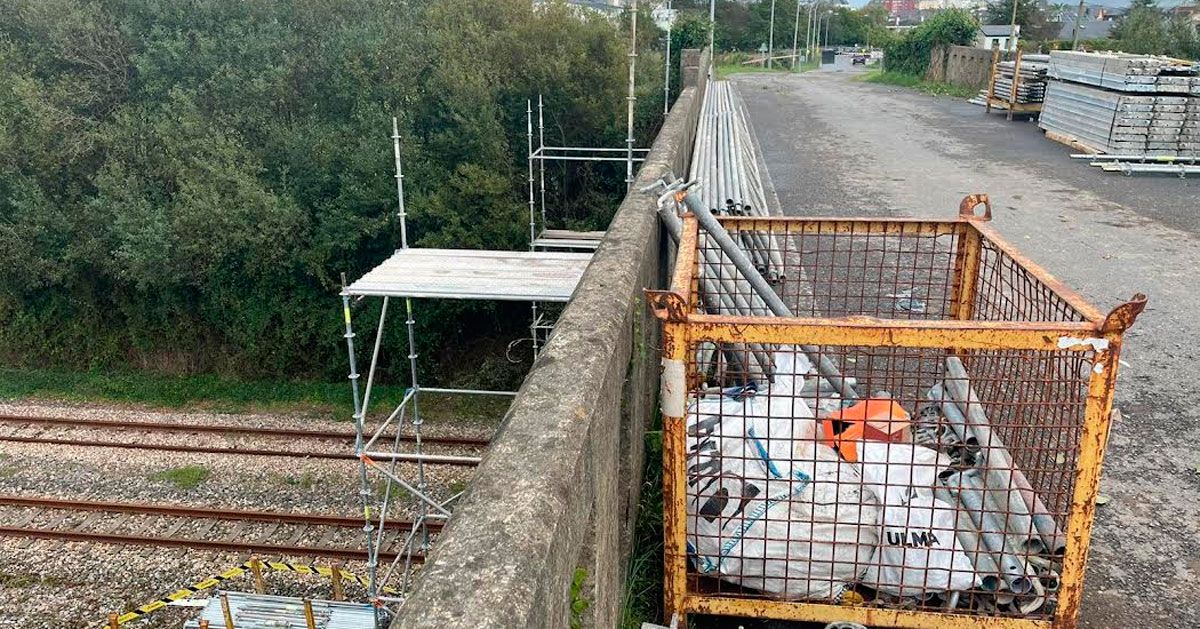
x=541 y=236
x=392 y=460
x=393 y=464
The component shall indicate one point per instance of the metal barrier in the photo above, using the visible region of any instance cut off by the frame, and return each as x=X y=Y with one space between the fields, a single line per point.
x=948 y=477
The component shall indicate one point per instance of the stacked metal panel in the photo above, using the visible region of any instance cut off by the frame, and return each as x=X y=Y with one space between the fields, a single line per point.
x=1125 y=72
x=262 y=611
x=1126 y=104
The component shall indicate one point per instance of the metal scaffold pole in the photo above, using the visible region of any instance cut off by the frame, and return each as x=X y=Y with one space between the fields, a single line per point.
x=359 y=429
x=533 y=307
x=632 y=98
x=542 y=162
x=423 y=513
x=399 y=184
x=529 y=152
x=667 y=63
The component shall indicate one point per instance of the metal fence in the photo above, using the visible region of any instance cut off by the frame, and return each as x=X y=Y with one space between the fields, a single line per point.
x=926 y=450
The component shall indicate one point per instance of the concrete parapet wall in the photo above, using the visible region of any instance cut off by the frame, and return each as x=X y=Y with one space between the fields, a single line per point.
x=960 y=65
x=558 y=488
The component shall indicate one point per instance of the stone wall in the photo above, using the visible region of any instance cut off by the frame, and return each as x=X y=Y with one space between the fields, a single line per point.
x=558 y=488
x=960 y=65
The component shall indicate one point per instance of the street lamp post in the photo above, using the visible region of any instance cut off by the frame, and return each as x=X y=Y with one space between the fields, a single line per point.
x=808 y=35
x=771 y=38
x=796 y=37
x=828 y=19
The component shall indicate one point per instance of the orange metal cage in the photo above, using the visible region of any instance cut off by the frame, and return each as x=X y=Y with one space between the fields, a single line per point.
x=780 y=524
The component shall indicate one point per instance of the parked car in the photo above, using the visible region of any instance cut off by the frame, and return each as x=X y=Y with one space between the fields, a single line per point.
x=859 y=59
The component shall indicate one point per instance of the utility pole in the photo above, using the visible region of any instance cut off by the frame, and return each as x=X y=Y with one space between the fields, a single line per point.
x=796 y=38
x=1012 y=34
x=712 y=29
x=1078 y=27
x=771 y=38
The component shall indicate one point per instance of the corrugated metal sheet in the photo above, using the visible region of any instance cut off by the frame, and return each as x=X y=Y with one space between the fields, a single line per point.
x=470 y=274
x=260 y=611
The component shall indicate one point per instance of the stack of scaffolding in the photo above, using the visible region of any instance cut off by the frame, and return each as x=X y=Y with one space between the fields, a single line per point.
x=728 y=181
x=1134 y=105
x=1031 y=84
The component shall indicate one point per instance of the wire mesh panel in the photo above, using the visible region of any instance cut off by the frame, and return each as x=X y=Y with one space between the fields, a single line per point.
x=918 y=446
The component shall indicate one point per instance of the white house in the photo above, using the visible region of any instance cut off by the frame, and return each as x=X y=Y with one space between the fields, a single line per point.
x=1003 y=36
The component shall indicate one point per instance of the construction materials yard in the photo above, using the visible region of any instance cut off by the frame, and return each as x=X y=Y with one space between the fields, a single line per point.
x=834 y=145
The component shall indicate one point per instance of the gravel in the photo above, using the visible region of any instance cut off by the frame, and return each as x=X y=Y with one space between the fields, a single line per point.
x=47 y=583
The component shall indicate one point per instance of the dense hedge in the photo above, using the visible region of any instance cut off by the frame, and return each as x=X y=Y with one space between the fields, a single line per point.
x=181 y=183
x=910 y=54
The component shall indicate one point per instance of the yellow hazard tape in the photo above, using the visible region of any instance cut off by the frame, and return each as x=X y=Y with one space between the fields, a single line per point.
x=233 y=573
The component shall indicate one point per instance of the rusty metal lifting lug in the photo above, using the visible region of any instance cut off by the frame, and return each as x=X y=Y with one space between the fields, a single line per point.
x=966 y=208
x=667 y=305
x=1122 y=317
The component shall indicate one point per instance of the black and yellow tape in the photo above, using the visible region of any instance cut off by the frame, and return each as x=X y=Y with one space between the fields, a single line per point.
x=233 y=573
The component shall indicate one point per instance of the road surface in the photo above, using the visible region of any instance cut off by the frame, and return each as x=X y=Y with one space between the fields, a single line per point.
x=837 y=146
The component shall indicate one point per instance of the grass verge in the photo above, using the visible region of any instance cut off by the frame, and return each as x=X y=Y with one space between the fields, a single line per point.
x=643 y=587
x=724 y=70
x=933 y=88
x=214 y=393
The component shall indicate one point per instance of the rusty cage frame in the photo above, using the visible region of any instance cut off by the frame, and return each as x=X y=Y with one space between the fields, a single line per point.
x=976 y=320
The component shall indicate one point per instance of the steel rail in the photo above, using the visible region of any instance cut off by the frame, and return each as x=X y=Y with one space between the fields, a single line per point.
x=168 y=447
x=179 y=542
x=233 y=515
x=184 y=511
x=223 y=429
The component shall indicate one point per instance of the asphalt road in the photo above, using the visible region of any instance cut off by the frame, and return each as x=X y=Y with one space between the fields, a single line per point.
x=838 y=146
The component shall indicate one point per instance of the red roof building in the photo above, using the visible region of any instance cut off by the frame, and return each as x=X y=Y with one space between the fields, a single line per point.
x=899 y=6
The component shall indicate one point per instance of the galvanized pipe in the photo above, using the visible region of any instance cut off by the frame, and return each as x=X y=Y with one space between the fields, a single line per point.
x=968 y=538
x=991 y=532
x=998 y=458
x=738 y=257
x=729 y=300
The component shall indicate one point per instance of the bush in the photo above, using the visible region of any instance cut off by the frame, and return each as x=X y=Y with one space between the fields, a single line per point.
x=910 y=54
x=181 y=184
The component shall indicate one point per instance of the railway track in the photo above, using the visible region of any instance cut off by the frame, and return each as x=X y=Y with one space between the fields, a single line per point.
x=140 y=427
x=202 y=528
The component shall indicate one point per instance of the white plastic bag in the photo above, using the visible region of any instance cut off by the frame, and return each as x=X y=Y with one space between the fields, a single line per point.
x=890 y=470
x=918 y=550
x=763 y=498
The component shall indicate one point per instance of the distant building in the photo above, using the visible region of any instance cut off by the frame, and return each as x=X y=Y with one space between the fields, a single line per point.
x=612 y=7
x=1088 y=28
x=1188 y=11
x=1002 y=36
x=896 y=7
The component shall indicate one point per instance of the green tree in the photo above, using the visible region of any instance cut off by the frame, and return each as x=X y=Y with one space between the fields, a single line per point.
x=1034 y=23
x=1148 y=29
x=910 y=53
x=181 y=184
